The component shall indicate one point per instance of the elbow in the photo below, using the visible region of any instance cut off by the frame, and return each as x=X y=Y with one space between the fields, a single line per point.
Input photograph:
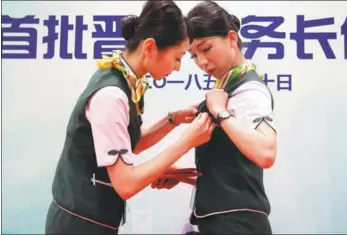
x=267 y=162
x=122 y=180
x=126 y=195
x=124 y=186
x=268 y=157
x=125 y=192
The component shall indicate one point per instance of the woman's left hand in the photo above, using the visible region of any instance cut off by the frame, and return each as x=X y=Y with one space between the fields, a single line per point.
x=216 y=101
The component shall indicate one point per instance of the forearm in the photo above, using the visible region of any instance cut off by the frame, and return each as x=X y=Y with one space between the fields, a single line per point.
x=253 y=144
x=152 y=135
x=138 y=177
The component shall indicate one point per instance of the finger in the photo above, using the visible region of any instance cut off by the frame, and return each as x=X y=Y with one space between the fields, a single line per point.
x=208 y=95
x=171 y=183
x=153 y=186
x=161 y=183
x=170 y=175
x=209 y=121
x=194 y=111
x=176 y=175
x=187 y=175
x=188 y=119
x=172 y=172
x=198 y=117
x=189 y=169
x=196 y=105
x=171 y=169
x=184 y=177
x=203 y=118
x=211 y=128
x=155 y=183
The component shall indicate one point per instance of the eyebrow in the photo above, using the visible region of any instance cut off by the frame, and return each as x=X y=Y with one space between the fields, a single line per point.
x=202 y=42
x=198 y=45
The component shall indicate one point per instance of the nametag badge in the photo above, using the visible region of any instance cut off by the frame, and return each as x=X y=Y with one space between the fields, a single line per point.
x=192 y=199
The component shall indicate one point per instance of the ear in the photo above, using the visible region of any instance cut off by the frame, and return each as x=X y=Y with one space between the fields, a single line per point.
x=149 y=47
x=232 y=36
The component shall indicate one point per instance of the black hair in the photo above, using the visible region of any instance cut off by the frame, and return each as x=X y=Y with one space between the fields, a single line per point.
x=209 y=19
x=161 y=20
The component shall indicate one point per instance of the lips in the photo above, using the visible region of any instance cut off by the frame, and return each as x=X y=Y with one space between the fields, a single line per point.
x=210 y=71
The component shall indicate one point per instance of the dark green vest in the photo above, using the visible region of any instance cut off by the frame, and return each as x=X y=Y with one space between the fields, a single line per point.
x=73 y=187
x=229 y=180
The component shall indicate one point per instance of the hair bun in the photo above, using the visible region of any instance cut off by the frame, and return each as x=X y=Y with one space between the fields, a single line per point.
x=236 y=21
x=129 y=24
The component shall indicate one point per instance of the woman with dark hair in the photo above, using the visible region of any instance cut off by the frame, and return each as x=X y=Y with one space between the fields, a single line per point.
x=230 y=197
x=95 y=174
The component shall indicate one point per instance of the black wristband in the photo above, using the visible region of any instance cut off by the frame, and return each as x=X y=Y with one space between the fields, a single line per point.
x=171 y=119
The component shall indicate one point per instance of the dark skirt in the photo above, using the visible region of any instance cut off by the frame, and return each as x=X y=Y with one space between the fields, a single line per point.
x=60 y=222
x=235 y=223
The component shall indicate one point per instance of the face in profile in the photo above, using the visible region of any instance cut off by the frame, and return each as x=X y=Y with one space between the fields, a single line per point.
x=214 y=55
x=161 y=63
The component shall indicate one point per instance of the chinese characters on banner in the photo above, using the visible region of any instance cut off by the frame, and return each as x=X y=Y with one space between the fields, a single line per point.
x=20 y=40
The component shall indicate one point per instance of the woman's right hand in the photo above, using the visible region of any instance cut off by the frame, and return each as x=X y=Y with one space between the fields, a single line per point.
x=199 y=131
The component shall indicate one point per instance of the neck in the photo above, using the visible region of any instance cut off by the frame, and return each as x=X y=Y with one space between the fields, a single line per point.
x=239 y=59
x=134 y=60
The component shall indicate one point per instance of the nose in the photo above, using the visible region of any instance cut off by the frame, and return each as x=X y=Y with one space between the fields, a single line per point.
x=202 y=62
x=177 y=67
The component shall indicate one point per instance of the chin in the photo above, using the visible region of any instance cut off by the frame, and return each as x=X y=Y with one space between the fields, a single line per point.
x=157 y=77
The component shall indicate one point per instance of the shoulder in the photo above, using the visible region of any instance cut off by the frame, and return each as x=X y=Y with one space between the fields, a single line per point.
x=109 y=100
x=253 y=88
x=251 y=101
x=109 y=93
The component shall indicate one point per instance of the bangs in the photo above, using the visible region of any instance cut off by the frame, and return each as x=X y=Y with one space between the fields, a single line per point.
x=197 y=27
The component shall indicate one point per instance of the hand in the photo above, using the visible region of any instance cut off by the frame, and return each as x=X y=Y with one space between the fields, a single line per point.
x=216 y=101
x=186 y=115
x=165 y=183
x=174 y=176
x=199 y=131
x=181 y=173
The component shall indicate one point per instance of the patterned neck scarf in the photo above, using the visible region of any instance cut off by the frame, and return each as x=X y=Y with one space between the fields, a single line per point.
x=234 y=73
x=138 y=86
